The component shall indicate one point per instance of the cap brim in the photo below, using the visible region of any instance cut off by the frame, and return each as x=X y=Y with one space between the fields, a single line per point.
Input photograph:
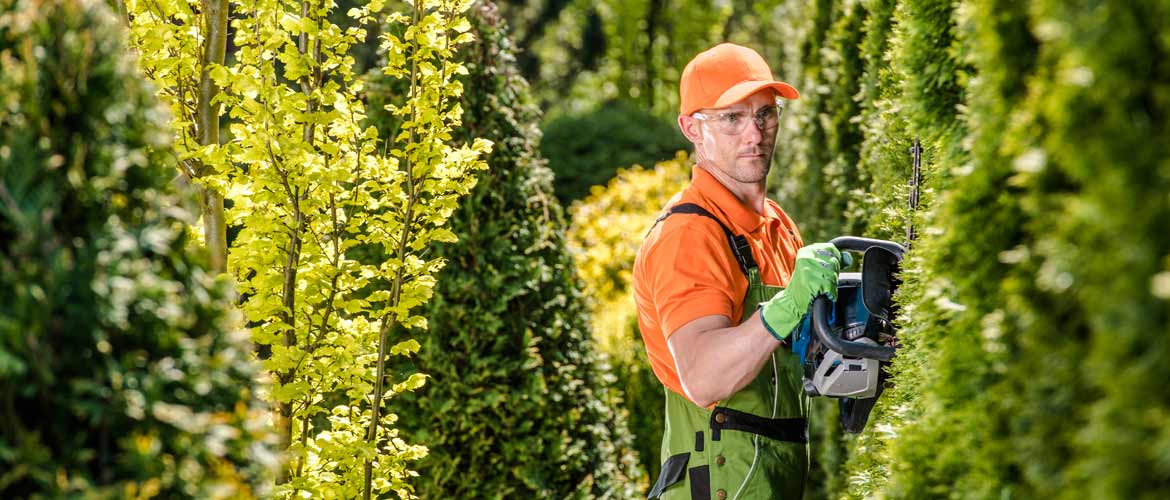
x=742 y=90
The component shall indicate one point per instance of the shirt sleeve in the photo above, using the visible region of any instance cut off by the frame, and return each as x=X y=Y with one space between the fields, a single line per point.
x=690 y=278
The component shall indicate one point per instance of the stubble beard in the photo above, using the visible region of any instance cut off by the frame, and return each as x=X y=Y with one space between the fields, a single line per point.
x=752 y=172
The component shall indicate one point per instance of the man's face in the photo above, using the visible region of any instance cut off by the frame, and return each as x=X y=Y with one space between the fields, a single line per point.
x=745 y=156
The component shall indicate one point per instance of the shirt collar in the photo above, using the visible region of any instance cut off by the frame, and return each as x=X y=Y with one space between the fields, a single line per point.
x=725 y=202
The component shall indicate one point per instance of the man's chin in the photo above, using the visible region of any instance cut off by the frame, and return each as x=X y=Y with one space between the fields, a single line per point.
x=753 y=170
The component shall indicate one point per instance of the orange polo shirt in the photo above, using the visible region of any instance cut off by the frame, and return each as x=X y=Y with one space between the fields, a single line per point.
x=685 y=269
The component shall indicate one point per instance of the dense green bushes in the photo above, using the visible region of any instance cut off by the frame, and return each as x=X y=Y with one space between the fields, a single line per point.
x=124 y=371
x=519 y=404
x=1035 y=303
x=1061 y=327
x=586 y=150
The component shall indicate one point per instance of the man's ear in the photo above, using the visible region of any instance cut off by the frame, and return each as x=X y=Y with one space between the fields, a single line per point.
x=690 y=128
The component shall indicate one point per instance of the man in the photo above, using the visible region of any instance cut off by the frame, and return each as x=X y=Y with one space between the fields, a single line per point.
x=711 y=308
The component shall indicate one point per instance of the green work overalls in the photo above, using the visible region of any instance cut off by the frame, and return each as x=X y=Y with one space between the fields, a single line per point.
x=753 y=445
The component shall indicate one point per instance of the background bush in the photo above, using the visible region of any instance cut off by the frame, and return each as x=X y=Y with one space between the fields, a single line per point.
x=1034 y=293
x=124 y=372
x=586 y=149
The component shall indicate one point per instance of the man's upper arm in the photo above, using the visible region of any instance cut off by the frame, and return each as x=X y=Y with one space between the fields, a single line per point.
x=686 y=337
x=688 y=278
x=686 y=347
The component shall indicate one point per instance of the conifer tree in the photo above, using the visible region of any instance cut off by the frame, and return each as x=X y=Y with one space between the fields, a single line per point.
x=518 y=403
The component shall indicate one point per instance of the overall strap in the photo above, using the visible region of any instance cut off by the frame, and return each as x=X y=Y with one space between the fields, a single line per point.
x=738 y=242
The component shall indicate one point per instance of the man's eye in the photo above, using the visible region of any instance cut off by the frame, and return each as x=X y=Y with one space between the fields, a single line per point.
x=732 y=118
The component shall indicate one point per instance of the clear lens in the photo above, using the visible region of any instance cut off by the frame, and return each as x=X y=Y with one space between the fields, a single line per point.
x=766 y=119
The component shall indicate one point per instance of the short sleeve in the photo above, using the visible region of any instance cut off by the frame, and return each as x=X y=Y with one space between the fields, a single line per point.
x=688 y=271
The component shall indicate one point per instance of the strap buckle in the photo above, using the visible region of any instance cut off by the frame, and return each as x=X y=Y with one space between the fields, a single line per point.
x=743 y=252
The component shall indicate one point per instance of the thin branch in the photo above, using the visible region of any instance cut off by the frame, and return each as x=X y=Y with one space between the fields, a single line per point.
x=376 y=404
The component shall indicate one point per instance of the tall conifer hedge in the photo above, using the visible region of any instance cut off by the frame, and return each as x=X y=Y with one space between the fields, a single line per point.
x=124 y=372
x=519 y=404
x=1034 y=310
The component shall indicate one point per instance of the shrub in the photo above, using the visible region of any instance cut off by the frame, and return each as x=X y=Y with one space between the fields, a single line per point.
x=585 y=150
x=123 y=368
x=1045 y=364
x=1033 y=297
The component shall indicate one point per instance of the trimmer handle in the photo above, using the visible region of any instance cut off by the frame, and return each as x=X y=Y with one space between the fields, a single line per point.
x=822 y=307
x=856 y=244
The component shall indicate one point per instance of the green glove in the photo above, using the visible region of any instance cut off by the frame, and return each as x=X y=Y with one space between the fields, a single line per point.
x=815 y=274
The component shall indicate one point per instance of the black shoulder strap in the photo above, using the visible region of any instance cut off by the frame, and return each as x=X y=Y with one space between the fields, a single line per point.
x=738 y=243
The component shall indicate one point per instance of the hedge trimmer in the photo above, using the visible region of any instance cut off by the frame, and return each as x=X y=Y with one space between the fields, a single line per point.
x=846 y=345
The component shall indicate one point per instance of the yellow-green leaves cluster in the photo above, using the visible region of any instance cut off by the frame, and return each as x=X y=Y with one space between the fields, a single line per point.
x=312 y=189
x=169 y=37
x=606 y=232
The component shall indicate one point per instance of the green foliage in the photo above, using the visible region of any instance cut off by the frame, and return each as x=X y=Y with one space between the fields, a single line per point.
x=885 y=162
x=180 y=44
x=961 y=286
x=880 y=206
x=582 y=54
x=816 y=177
x=520 y=405
x=169 y=55
x=585 y=150
x=605 y=236
x=124 y=370
x=316 y=187
x=643 y=46
x=1068 y=326
x=1034 y=298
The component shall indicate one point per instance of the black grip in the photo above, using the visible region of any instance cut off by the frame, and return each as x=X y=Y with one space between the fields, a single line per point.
x=820 y=327
x=855 y=244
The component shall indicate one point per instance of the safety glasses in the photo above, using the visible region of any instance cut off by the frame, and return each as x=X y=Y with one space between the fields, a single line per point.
x=766 y=118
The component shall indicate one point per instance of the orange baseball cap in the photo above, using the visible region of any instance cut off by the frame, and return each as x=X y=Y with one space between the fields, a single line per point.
x=725 y=74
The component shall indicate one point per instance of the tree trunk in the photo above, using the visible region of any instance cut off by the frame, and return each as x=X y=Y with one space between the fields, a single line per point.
x=215 y=16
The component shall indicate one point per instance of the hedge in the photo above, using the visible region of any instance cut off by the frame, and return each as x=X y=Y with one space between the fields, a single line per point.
x=583 y=149
x=1034 y=308
x=519 y=402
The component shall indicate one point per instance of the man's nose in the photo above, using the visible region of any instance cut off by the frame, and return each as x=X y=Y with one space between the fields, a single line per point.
x=753 y=132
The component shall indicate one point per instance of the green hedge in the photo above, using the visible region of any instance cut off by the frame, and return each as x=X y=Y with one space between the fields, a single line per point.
x=518 y=403
x=1064 y=327
x=124 y=372
x=1035 y=310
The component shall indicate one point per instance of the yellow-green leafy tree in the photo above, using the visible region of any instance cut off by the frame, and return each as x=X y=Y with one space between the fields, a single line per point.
x=312 y=189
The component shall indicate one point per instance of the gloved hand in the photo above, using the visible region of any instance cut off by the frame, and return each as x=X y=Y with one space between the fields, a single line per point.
x=815 y=274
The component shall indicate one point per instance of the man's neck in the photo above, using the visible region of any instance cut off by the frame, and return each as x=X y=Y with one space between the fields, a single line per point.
x=751 y=194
